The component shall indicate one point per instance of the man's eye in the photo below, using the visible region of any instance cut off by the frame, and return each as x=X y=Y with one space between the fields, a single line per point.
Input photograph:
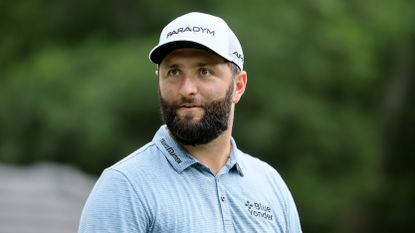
x=173 y=72
x=204 y=72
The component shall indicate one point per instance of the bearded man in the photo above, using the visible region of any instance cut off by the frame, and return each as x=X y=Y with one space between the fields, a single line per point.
x=192 y=177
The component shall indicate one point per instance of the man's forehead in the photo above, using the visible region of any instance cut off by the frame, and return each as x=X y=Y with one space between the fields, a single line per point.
x=193 y=55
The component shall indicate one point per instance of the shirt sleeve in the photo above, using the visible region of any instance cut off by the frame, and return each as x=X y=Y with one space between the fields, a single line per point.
x=113 y=206
x=293 y=220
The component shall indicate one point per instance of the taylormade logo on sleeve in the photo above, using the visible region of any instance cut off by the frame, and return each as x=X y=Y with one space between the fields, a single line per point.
x=191 y=29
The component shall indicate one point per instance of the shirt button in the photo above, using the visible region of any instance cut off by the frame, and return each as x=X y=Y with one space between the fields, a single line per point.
x=222 y=198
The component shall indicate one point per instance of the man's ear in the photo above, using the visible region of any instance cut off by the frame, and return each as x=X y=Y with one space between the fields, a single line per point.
x=241 y=80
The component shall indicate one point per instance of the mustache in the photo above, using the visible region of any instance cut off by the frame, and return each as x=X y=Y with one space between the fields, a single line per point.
x=187 y=101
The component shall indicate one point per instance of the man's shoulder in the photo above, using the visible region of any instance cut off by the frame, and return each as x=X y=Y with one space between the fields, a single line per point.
x=262 y=172
x=258 y=167
x=143 y=159
x=253 y=162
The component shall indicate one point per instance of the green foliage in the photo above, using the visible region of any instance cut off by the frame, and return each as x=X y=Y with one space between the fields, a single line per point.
x=329 y=101
x=82 y=105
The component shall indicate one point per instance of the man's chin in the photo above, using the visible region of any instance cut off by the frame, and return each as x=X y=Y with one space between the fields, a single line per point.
x=189 y=122
x=189 y=118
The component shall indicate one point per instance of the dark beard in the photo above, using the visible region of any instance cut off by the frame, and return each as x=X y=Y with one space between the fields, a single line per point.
x=213 y=123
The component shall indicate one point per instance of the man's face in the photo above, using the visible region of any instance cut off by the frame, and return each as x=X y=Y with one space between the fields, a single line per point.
x=196 y=89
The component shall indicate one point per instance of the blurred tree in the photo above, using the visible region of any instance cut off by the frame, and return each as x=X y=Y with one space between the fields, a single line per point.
x=329 y=98
x=83 y=105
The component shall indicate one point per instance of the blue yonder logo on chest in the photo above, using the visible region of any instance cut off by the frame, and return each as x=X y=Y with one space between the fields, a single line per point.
x=259 y=210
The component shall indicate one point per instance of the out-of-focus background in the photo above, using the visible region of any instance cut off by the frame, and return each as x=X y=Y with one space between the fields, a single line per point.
x=329 y=102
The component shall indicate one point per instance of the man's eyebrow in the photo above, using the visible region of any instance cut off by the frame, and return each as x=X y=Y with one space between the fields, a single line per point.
x=201 y=64
x=212 y=62
x=172 y=66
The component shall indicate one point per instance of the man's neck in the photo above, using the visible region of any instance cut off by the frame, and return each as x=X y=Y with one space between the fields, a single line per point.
x=214 y=154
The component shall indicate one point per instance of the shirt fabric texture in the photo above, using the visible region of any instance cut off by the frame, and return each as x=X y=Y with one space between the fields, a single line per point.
x=161 y=188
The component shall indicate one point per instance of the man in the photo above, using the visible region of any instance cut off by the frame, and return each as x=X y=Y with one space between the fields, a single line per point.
x=191 y=177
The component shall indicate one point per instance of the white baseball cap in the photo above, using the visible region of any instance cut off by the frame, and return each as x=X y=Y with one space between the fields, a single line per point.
x=199 y=30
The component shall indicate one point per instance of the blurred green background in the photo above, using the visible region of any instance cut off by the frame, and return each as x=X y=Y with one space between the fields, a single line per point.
x=329 y=102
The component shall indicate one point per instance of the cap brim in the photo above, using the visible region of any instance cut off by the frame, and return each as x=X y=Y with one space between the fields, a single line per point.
x=161 y=51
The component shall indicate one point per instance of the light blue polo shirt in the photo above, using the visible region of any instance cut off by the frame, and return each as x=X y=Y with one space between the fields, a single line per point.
x=161 y=188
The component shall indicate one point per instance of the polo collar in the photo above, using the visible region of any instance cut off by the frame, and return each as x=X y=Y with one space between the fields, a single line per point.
x=233 y=162
x=180 y=159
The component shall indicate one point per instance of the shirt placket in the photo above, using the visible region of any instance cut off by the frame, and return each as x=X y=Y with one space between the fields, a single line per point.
x=224 y=205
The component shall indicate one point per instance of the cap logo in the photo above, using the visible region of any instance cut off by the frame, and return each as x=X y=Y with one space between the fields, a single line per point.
x=238 y=55
x=190 y=29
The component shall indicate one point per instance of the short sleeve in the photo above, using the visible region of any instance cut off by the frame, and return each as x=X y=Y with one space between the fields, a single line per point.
x=113 y=206
x=293 y=220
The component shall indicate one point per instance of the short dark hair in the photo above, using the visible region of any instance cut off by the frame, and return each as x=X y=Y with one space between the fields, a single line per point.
x=234 y=68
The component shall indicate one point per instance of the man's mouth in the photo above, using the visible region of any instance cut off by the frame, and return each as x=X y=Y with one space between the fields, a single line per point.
x=189 y=106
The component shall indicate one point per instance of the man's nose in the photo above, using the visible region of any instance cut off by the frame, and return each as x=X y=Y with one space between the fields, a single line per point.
x=188 y=86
